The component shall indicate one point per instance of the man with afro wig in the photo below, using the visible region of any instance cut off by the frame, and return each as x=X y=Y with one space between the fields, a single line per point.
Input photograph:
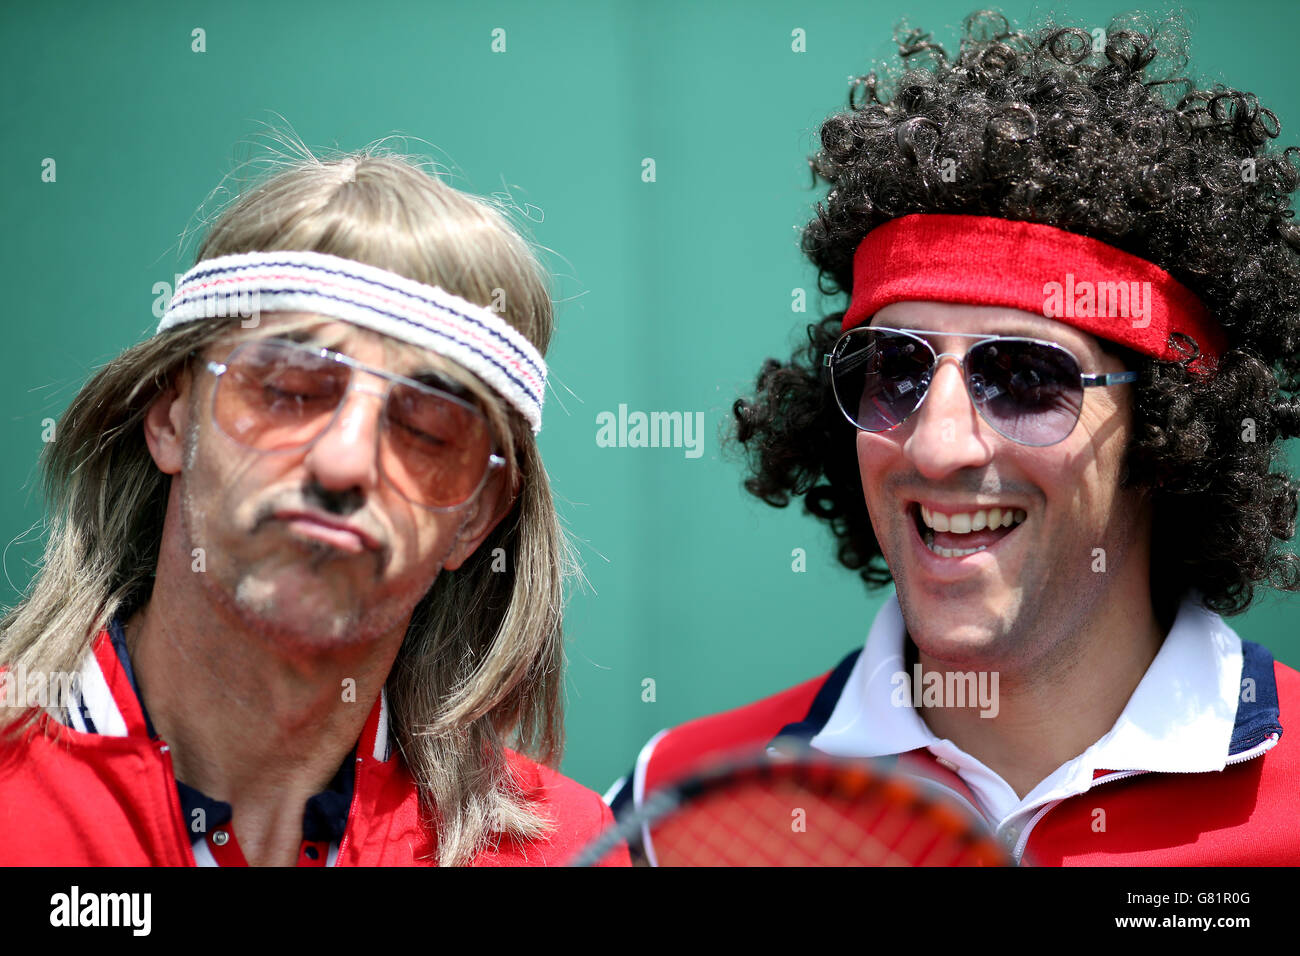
x=1050 y=415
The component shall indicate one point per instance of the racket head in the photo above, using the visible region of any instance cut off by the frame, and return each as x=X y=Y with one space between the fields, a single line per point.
x=800 y=807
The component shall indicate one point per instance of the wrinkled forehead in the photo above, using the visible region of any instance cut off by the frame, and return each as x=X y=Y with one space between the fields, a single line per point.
x=960 y=319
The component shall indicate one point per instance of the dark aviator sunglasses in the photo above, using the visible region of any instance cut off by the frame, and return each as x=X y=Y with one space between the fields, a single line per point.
x=1028 y=390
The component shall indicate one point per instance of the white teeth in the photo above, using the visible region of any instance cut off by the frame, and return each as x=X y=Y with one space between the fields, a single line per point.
x=949 y=552
x=966 y=522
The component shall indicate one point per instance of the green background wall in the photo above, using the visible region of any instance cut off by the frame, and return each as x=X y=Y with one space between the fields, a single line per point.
x=671 y=293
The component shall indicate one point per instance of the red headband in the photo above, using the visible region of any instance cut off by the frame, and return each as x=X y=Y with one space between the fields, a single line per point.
x=984 y=260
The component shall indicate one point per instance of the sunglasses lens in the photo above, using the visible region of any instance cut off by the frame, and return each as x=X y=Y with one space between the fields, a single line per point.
x=273 y=399
x=435 y=450
x=1029 y=392
x=879 y=377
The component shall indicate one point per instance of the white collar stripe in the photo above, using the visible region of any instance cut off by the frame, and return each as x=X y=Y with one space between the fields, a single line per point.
x=380 y=749
x=97 y=700
x=203 y=853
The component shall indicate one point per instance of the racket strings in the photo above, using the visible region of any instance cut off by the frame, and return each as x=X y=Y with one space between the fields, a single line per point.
x=774 y=819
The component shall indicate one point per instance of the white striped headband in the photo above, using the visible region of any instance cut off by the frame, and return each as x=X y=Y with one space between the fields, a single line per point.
x=379 y=300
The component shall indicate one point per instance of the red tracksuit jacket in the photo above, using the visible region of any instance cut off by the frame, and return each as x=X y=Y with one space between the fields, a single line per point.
x=69 y=798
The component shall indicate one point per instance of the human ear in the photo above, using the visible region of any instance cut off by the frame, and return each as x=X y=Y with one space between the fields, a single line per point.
x=165 y=424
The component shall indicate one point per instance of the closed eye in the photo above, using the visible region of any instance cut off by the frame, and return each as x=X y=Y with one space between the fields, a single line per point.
x=419 y=435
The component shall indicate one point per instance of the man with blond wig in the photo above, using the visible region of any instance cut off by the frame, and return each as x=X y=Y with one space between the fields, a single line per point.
x=302 y=592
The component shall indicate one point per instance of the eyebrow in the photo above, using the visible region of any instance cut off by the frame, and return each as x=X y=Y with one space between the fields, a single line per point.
x=439 y=381
x=310 y=337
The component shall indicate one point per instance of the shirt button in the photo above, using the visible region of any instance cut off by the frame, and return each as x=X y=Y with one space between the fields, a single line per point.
x=1009 y=836
x=220 y=837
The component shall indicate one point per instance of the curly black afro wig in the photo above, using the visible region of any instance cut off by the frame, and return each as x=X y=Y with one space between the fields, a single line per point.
x=1116 y=145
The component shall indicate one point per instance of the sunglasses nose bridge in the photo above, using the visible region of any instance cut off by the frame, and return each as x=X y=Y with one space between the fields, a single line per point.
x=379 y=394
x=946 y=427
x=940 y=356
x=347 y=423
x=935 y=365
x=345 y=413
x=972 y=384
x=380 y=383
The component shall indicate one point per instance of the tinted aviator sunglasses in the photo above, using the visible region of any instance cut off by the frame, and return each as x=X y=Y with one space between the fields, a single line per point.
x=1028 y=390
x=276 y=396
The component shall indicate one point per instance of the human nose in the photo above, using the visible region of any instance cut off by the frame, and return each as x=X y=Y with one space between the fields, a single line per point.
x=946 y=433
x=345 y=455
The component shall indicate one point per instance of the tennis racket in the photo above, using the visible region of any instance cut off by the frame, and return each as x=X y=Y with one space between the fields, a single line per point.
x=803 y=809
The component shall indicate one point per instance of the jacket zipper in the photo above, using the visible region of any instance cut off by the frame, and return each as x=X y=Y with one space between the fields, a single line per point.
x=174 y=800
x=352 y=807
x=1257 y=751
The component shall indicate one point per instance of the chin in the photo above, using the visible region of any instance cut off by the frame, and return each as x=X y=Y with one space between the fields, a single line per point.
x=967 y=646
x=296 y=617
x=954 y=634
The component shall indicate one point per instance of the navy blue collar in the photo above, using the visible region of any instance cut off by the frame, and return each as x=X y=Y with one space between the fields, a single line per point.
x=1258 y=716
x=823 y=704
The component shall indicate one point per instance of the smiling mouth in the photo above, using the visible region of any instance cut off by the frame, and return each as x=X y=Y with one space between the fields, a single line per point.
x=979 y=531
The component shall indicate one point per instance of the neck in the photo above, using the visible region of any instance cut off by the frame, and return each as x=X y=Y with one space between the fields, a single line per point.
x=249 y=722
x=1023 y=736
